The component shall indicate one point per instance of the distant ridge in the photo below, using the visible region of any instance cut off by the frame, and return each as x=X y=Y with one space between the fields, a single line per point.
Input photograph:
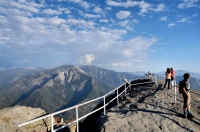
x=8 y=76
x=53 y=89
x=109 y=77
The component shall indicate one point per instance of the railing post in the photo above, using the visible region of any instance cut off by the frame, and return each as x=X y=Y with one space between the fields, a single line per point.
x=104 y=105
x=77 y=125
x=125 y=88
x=52 y=130
x=174 y=91
x=117 y=97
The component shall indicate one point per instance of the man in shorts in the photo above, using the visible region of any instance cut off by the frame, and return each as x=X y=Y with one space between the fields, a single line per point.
x=186 y=96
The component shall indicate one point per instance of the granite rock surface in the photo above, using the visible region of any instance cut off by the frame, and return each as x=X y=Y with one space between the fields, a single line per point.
x=150 y=109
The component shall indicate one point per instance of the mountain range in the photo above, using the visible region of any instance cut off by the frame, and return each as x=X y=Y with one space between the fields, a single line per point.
x=8 y=76
x=108 y=76
x=53 y=89
x=62 y=87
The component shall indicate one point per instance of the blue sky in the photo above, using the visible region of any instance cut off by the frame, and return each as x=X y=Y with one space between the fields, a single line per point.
x=121 y=35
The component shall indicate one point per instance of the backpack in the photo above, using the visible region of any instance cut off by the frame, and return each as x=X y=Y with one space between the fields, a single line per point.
x=181 y=87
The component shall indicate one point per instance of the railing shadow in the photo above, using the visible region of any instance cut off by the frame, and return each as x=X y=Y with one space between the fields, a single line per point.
x=89 y=123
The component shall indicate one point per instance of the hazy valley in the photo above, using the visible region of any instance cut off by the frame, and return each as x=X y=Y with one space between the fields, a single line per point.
x=62 y=87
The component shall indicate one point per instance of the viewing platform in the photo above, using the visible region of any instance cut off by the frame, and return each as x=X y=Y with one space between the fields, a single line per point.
x=135 y=107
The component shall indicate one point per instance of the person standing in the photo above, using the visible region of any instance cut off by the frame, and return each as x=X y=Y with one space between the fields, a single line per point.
x=148 y=75
x=167 y=78
x=172 y=78
x=186 y=96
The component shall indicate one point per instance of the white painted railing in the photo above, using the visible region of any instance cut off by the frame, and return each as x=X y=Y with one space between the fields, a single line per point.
x=77 y=106
x=154 y=78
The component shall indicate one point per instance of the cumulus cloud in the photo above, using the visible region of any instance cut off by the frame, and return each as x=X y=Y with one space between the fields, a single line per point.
x=87 y=59
x=104 y=20
x=188 y=4
x=98 y=10
x=160 y=7
x=91 y=16
x=82 y=3
x=24 y=7
x=66 y=10
x=123 y=14
x=49 y=37
x=81 y=23
x=145 y=7
x=122 y=4
x=171 y=25
x=163 y=18
x=135 y=21
x=51 y=12
x=183 y=20
x=126 y=24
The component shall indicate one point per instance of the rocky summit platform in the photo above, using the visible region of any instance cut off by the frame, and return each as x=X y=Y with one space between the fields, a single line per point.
x=150 y=109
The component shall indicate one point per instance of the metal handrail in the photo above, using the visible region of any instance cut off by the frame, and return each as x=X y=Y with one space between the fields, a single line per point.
x=76 y=107
x=156 y=77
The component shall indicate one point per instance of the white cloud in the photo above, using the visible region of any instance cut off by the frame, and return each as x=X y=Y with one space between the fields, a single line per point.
x=123 y=23
x=82 y=3
x=57 y=21
x=126 y=24
x=188 y=4
x=87 y=59
x=30 y=34
x=145 y=7
x=123 y=14
x=104 y=20
x=183 y=20
x=51 y=12
x=163 y=18
x=98 y=10
x=122 y=4
x=91 y=16
x=108 y=8
x=2 y=68
x=160 y=7
x=3 y=20
x=135 y=21
x=82 y=23
x=171 y=25
x=23 y=6
x=66 y=10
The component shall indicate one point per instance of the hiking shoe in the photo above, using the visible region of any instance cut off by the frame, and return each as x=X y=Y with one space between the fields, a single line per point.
x=190 y=115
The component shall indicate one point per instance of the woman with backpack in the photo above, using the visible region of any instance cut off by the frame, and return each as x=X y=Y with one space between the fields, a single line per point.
x=167 y=78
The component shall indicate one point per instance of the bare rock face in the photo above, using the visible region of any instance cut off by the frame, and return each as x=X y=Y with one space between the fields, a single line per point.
x=151 y=109
x=12 y=116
